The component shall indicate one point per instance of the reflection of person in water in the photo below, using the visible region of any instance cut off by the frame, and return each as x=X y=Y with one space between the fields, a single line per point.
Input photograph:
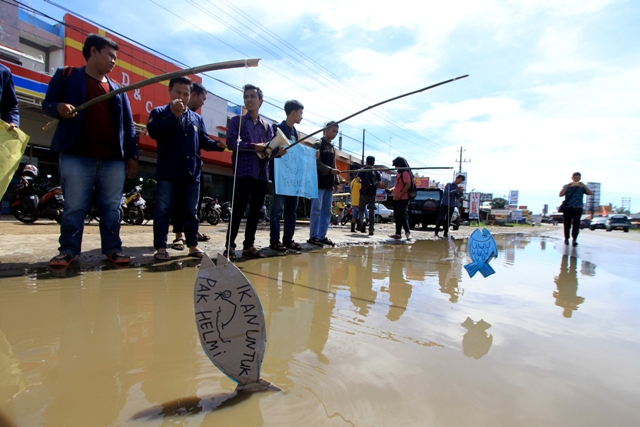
x=448 y=273
x=323 y=301
x=362 y=294
x=567 y=282
x=476 y=342
x=399 y=289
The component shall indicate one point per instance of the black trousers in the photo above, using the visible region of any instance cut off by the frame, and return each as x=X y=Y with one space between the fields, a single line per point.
x=444 y=217
x=400 y=215
x=249 y=191
x=571 y=217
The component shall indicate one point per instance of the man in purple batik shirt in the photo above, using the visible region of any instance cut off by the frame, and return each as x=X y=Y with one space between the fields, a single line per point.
x=251 y=172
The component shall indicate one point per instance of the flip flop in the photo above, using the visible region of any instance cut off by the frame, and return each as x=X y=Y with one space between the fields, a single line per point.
x=252 y=252
x=178 y=244
x=293 y=245
x=231 y=255
x=161 y=256
x=197 y=254
x=278 y=247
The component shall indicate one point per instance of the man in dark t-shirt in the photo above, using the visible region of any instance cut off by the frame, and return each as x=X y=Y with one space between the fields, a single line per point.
x=97 y=149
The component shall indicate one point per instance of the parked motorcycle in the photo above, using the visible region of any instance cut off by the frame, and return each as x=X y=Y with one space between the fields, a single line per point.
x=35 y=199
x=348 y=214
x=133 y=206
x=225 y=211
x=209 y=211
x=93 y=213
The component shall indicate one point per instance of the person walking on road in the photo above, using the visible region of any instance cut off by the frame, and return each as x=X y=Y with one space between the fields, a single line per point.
x=573 y=204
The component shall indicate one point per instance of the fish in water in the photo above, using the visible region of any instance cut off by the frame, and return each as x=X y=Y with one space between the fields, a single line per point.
x=230 y=324
x=482 y=248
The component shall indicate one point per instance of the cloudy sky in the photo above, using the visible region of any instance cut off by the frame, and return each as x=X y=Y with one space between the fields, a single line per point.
x=553 y=85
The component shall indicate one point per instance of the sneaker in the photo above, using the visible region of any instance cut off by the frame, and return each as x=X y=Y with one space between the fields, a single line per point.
x=119 y=258
x=61 y=260
x=395 y=236
x=575 y=243
x=408 y=235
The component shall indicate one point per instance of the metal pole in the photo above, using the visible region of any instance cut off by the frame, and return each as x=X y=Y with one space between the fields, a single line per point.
x=363 y=131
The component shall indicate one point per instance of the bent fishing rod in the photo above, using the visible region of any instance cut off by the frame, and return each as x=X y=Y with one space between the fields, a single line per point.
x=377 y=105
x=252 y=62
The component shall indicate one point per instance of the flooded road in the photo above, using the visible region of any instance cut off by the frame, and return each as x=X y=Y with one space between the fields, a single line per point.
x=387 y=335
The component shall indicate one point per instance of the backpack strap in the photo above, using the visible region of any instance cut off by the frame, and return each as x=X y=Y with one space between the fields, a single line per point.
x=66 y=72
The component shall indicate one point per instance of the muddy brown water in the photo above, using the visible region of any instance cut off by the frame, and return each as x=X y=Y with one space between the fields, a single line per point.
x=393 y=335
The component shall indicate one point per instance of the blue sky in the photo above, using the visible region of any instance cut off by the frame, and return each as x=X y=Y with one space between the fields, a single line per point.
x=552 y=89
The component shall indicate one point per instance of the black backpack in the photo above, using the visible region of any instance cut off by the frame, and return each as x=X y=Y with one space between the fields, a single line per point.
x=369 y=183
x=412 y=193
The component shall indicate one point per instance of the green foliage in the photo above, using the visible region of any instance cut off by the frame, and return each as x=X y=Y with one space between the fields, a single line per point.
x=620 y=210
x=498 y=203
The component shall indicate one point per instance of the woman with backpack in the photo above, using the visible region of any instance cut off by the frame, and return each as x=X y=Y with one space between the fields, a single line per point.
x=400 y=191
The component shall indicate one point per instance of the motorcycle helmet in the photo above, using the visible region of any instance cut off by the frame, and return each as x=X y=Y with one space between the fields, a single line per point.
x=30 y=171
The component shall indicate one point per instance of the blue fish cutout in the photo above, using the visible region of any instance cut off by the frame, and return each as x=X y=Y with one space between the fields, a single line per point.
x=482 y=248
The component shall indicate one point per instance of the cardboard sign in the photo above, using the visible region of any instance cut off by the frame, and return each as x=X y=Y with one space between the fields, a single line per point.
x=230 y=322
x=295 y=173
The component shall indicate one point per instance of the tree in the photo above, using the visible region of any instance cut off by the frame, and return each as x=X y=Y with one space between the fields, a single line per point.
x=620 y=210
x=498 y=203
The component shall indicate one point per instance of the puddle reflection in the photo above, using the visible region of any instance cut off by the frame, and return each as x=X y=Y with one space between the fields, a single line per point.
x=362 y=335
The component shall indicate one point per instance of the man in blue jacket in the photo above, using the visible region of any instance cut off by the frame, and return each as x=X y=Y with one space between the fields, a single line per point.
x=8 y=99
x=180 y=134
x=97 y=149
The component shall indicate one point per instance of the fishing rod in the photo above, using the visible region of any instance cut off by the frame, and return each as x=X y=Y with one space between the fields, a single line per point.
x=252 y=62
x=376 y=105
x=391 y=169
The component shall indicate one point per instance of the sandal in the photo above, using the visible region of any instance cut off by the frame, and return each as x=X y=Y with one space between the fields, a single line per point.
x=197 y=254
x=278 y=247
x=161 y=256
x=178 y=244
x=293 y=245
x=203 y=237
x=315 y=241
x=252 y=252
x=61 y=260
x=119 y=258
x=327 y=241
x=230 y=255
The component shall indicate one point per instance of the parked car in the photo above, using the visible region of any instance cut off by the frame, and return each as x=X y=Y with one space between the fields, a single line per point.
x=585 y=223
x=599 y=222
x=424 y=208
x=618 y=222
x=383 y=214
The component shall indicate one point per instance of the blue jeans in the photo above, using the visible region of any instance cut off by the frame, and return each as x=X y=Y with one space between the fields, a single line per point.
x=187 y=192
x=79 y=176
x=320 y=214
x=290 y=204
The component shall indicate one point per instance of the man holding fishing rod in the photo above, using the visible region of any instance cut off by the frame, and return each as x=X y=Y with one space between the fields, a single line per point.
x=97 y=148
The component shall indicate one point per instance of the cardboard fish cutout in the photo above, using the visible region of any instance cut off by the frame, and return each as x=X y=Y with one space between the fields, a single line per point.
x=230 y=324
x=482 y=247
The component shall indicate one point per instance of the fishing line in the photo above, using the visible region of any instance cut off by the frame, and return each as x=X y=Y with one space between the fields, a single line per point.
x=235 y=173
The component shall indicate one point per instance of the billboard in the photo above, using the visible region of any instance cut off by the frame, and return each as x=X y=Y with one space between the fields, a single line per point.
x=474 y=205
x=133 y=65
x=422 y=182
x=486 y=197
x=592 y=203
x=513 y=198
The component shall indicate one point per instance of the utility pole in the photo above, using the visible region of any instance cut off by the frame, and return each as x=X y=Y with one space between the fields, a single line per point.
x=363 y=131
x=462 y=161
